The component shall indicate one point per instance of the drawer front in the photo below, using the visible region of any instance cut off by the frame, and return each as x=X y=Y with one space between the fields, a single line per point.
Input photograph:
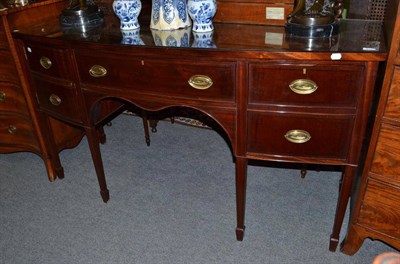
x=49 y=61
x=210 y=80
x=299 y=135
x=380 y=209
x=16 y=130
x=59 y=100
x=387 y=153
x=393 y=101
x=7 y=67
x=316 y=85
x=10 y=98
x=3 y=37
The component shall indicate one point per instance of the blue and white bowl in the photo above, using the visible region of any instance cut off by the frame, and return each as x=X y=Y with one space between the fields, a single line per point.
x=128 y=12
x=202 y=12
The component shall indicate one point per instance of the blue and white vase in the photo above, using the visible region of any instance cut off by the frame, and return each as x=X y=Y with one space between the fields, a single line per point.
x=172 y=38
x=128 y=12
x=202 y=12
x=169 y=15
x=203 y=40
x=132 y=37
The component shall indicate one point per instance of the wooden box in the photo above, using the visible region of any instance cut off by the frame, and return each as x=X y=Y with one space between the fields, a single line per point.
x=265 y=12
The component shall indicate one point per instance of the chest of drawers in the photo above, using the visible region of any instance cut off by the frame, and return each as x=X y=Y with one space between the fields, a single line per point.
x=19 y=120
x=376 y=211
x=16 y=129
x=274 y=104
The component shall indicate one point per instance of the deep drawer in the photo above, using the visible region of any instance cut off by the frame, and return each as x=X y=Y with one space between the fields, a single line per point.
x=387 y=153
x=380 y=210
x=10 y=99
x=58 y=99
x=7 y=67
x=268 y=133
x=166 y=77
x=15 y=131
x=49 y=61
x=319 y=84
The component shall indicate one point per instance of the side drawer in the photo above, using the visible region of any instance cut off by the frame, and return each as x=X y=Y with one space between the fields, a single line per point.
x=10 y=98
x=319 y=84
x=210 y=80
x=57 y=99
x=380 y=209
x=49 y=61
x=324 y=136
x=387 y=152
x=15 y=130
x=7 y=67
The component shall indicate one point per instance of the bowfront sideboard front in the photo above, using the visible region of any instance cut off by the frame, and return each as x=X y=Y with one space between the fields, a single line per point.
x=276 y=97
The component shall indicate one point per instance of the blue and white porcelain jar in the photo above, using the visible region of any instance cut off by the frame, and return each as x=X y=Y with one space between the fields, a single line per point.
x=202 y=12
x=128 y=12
x=169 y=15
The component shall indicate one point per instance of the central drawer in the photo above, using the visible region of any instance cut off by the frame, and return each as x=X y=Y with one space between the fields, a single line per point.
x=299 y=135
x=214 y=81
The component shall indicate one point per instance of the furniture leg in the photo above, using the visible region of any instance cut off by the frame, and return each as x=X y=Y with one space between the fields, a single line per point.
x=343 y=199
x=303 y=171
x=352 y=242
x=94 y=145
x=146 y=129
x=241 y=180
x=102 y=135
x=153 y=125
x=54 y=167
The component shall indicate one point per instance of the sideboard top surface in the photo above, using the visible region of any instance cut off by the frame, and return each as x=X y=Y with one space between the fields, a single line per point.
x=357 y=40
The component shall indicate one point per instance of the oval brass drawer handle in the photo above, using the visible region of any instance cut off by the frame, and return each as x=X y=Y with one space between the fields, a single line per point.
x=200 y=82
x=303 y=86
x=2 y=96
x=12 y=129
x=45 y=62
x=297 y=136
x=55 y=100
x=97 y=71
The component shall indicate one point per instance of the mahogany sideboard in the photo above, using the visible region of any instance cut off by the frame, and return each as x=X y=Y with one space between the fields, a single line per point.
x=276 y=97
x=376 y=213
x=19 y=126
